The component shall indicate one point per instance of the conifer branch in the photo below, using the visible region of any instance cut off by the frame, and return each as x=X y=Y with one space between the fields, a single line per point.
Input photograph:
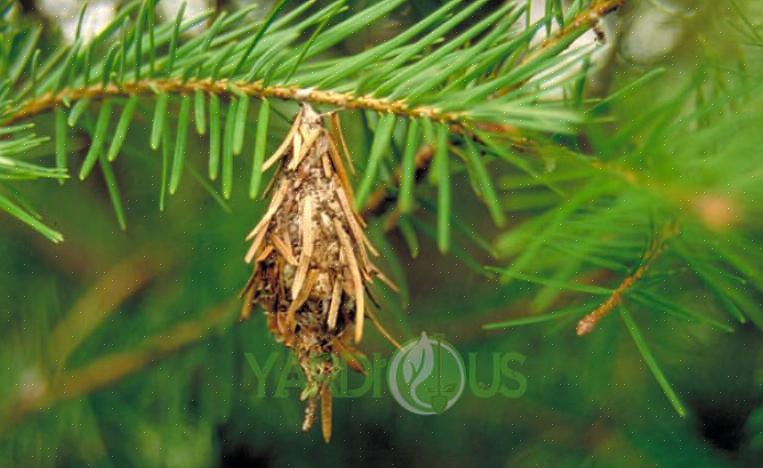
x=655 y=249
x=224 y=87
x=582 y=21
x=476 y=66
x=344 y=100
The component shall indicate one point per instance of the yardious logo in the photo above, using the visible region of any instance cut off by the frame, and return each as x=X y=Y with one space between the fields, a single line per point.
x=426 y=376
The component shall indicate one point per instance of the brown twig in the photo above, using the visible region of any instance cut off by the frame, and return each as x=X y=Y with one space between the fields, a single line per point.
x=583 y=20
x=651 y=254
x=257 y=89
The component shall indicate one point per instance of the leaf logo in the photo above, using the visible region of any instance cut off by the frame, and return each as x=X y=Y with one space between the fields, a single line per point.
x=426 y=376
x=418 y=364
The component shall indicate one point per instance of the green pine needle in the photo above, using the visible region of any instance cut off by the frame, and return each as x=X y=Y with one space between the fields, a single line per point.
x=242 y=111
x=99 y=137
x=200 y=118
x=650 y=361
x=487 y=190
x=409 y=236
x=160 y=119
x=443 y=189
x=540 y=318
x=61 y=140
x=123 y=126
x=16 y=211
x=228 y=149
x=408 y=167
x=113 y=188
x=214 y=136
x=181 y=141
x=79 y=108
x=379 y=148
x=260 y=144
x=166 y=151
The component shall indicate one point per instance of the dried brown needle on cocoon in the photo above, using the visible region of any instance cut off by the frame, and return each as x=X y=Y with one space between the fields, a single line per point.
x=311 y=258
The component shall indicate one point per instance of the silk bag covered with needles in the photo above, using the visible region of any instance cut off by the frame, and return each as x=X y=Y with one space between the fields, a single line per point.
x=311 y=257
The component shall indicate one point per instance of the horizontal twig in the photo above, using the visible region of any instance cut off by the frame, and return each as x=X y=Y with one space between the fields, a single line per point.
x=257 y=89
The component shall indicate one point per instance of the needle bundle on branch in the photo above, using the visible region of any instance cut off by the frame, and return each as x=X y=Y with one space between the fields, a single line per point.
x=311 y=257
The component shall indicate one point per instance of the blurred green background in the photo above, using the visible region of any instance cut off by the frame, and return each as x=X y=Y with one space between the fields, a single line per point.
x=156 y=308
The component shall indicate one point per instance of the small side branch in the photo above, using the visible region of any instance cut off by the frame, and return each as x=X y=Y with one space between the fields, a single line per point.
x=651 y=254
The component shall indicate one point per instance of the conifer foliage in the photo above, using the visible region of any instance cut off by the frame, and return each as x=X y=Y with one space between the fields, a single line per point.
x=619 y=206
